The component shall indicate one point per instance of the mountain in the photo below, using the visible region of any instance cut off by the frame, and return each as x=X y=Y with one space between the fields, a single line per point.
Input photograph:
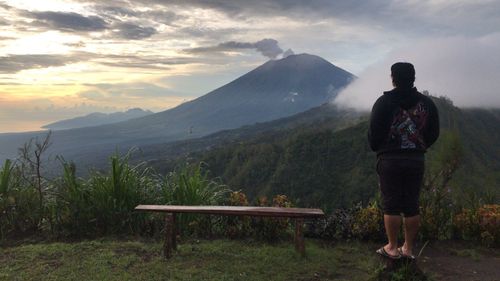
x=276 y=89
x=96 y=119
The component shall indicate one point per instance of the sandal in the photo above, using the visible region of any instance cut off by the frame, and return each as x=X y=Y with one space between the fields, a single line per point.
x=400 y=251
x=384 y=253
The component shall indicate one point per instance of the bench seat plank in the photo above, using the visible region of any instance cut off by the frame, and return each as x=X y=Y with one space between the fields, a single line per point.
x=235 y=210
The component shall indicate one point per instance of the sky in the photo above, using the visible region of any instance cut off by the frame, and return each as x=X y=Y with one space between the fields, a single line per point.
x=61 y=59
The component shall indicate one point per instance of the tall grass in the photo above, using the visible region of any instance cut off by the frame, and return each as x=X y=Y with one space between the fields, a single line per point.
x=71 y=212
x=104 y=203
x=192 y=185
x=19 y=212
x=5 y=177
x=114 y=195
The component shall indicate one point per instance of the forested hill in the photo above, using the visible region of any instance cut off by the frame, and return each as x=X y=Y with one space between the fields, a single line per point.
x=318 y=165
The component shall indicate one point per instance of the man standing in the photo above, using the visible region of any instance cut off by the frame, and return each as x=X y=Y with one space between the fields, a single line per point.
x=403 y=124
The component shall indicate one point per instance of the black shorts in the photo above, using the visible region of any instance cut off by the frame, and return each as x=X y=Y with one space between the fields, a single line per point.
x=400 y=181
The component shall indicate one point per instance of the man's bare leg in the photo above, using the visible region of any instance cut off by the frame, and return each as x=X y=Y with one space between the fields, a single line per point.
x=411 y=226
x=392 y=226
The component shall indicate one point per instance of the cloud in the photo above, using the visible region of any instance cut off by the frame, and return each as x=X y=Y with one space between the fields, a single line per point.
x=127 y=11
x=417 y=17
x=267 y=47
x=16 y=63
x=79 y=44
x=68 y=21
x=133 y=31
x=74 y=22
x=462 y=68
x=117 y=11
x=142 y=90
x=215 y=34
x=146 y=62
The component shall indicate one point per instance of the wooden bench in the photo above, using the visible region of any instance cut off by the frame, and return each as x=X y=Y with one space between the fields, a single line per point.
x=299 y=214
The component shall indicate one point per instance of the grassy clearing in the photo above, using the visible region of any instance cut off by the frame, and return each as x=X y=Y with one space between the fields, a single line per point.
x=196 y=260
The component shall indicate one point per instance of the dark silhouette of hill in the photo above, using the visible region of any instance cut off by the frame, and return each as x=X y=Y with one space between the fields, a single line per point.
x=97 y=119
x=276 y=89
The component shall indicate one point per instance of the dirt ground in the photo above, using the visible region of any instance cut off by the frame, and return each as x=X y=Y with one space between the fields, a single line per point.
x=453 y=261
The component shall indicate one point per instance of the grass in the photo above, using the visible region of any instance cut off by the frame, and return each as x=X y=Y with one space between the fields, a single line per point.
x=195 y=260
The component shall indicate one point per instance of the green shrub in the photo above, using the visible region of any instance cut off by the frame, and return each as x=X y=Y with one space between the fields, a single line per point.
x=236 y=226
x=368 y=223
x=482 y=224
x=272 y=229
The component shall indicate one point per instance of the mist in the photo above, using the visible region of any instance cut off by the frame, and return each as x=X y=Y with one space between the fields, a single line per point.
x=466 y=70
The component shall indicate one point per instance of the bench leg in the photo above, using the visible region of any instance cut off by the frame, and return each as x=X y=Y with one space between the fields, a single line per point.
x=299 y=237
x=169 y=236
x=174 y=232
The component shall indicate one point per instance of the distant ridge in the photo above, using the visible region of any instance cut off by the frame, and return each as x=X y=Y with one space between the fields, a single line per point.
x=97 y=119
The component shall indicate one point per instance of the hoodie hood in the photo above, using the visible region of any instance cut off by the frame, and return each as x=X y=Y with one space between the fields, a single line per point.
x=404 y=97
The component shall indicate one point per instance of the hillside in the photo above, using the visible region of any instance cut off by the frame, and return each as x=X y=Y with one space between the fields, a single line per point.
x=165 y=156
x=324 y=162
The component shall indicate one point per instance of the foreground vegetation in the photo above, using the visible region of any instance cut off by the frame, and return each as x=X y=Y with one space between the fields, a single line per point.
x=103 y=203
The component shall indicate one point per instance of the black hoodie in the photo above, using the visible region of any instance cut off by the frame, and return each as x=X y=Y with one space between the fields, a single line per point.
x=403 y=122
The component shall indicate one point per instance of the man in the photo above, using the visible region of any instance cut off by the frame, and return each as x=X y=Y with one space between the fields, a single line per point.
x=403 y=124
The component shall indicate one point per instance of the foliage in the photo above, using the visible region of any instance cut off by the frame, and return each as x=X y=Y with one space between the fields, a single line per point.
x=436 y=201
x=262 y=228
x=314 y=165
x=348 y=223
x=368 y=223
x=481 y=224
x=237 y=226
x=272 y=229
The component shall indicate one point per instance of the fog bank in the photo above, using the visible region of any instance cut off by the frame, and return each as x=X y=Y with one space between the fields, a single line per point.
x=467 y=70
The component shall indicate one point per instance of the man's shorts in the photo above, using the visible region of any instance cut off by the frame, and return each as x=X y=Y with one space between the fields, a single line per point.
x=400 y=181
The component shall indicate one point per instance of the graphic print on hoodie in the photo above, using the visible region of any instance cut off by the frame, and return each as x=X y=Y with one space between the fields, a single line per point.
x=406 y=127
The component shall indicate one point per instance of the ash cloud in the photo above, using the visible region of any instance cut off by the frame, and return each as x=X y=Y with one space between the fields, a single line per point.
x=288 y=52
x=267 y=47
x=462 y=68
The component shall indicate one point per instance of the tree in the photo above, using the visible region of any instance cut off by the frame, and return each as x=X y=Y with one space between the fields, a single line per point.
x=31 y=158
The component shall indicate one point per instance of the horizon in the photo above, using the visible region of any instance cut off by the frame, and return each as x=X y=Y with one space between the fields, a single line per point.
x=65 y=59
